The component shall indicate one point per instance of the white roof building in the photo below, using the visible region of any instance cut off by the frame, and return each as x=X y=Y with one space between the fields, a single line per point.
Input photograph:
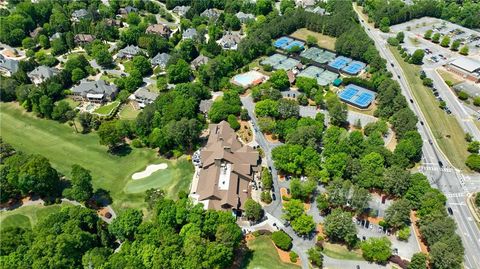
x=467 y=64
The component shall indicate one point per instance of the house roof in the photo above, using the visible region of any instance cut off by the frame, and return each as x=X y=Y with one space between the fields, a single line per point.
x=468 y=64
x=79 y=13
x=205 y=105
x=84 y=38
x=189 y=33
x=127 y=10
x=181 y=10
x=94 y=87
x=210 y=13
x=160 y=29
x=305 y=3
x=35 y=32
x=316 y=10
x=200 y=60
x=8 y=64
x=245 y=16
x=227 y=169
x=145 y=94
x=230 y=39
x=161 y=59
x=43 y=71
x=55 y=36
x=129 y=50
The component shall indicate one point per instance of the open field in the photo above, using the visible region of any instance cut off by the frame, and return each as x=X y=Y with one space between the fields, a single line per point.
x=71 y=102
x=445 y=128
x=27 y=216
x=107 y=109
x=324 y=41
x=63 y=147
x=109 y=78
x=341 y=252
x=128 y=112
x=263 y=255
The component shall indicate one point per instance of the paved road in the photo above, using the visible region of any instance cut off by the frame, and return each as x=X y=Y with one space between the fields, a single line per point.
x=449 y=184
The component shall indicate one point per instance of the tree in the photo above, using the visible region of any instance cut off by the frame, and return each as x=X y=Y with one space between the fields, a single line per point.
x=418 y=261
x=45 y=106
x=179 y=72
x=417 y=57
x=286 y=4
x=432 y=201
x=400 y=37
x=142 y=64
x=253 y=210
x=110 y=135
x=464 y=50
x=282 y=240
x=303 y=225
x=455 y=45
x=279 y=80
x=371 y=171
x=315 y=256
x=385 y=25
x=445 y=41
x=126 y=224
x=311 y=40
x=397 y=215
x=232 y=120
x=302 y=190
x=477 y=199
x=81 y=180
x=338 y=226
x=436 y=38
x=62 y=112
x=435 y=227
x=77 y=75
x=397 y=181
x=288 y=108
x=293 y=209
x=267 y=180
x=376 y=249
x=428 y=34
x=447 y=254
x=322 y=202
x=360 y=199
x=462 y=95
x=37 y=175
x=266 y=108
x=306 y=85
x=264 y=7
x=338 y=110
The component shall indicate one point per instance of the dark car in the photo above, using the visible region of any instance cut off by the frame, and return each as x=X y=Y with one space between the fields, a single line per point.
x=288 y=191
x=367 y=224
x=358 y=267
x=450 y=211
x=411 y=101
x=421 y=122
x=274 y=197
x=391 y=64
x=398 y=76
x=440 y=163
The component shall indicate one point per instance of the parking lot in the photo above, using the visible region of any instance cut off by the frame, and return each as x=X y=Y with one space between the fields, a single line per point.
x=418 y=27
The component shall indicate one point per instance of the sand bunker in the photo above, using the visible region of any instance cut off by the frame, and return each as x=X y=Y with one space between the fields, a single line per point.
x=149 y=170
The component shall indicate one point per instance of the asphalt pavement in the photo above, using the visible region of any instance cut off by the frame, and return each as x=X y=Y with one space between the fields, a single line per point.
x=448 y=183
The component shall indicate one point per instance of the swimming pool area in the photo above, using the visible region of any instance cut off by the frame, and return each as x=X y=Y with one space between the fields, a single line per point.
x=248 y=79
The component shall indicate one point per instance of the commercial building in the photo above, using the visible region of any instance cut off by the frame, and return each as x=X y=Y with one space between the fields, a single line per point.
x=468 y=68
x=227 y=167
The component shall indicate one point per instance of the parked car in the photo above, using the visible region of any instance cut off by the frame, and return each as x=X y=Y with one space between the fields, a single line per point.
x=274 y=197
x=450 y=211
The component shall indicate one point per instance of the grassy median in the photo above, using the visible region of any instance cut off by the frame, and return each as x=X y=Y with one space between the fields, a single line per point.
x=445 y=128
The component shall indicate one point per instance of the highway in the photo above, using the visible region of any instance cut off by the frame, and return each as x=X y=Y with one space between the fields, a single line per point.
x=443 y=175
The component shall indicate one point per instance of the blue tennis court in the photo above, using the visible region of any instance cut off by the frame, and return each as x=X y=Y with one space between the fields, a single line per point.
x=282 y=42
x=357 y=96
x=354 y=68
x=339 y=62
x=296 y=43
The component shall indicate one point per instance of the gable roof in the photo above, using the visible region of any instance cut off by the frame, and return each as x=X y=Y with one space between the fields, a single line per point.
x=230 y=40
x=94 y=87
x=9 y=64
x=200 y=60
x=160 y=29
x=43 y=71
x=79 y=13
x=129 y=50
x=181 y=10
x=145 y=94
x=189 y=33
x=210 y=13
x=85 y=38
x=227 y=169
x=244 y=16
x=161 y=59
x=205 y=105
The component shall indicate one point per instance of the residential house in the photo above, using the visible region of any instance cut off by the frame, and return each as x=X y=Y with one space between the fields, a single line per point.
x=211 y=14
x=205 y=106
x=144 y=97
x=129 y=52
x=161 y=60
x=113 y=22
x=181 y=10
x=94 y=91
x=159 y=29
x=82 y=39
x=200 y=60
x=79 y=14
x=230 y=41
x=190 y=33
x=8 y=66
x=305 y=3
x=317 y=10
x=245 y=17
x=42 y=73
x=55 y=36
x=127 y=10
x=227 y=169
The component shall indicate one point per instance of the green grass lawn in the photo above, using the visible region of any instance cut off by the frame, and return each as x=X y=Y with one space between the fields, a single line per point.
x=63 y=147
x=109 y=78
x=341 y=252
x=163 y=179
x=263 y=255
x=128 y=65
x=445 y=128
x=107 y=109
x=128 y=112
x=71 y=102
x=324 y=41
x=28 y=216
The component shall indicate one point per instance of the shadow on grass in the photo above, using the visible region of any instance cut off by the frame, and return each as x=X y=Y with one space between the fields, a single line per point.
x=122 y=150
